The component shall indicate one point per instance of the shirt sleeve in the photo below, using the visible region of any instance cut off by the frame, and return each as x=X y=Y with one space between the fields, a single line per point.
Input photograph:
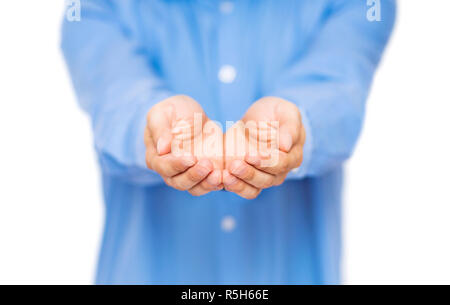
x=115 y=84
x=331 y=78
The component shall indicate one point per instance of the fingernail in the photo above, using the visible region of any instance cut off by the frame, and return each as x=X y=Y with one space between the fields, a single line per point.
x=238 y=168
x=285 y=142
x=161 y=146
x=204 y=167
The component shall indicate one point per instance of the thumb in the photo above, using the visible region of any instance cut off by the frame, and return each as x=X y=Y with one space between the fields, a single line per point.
x=286 y=139
x=290 y=125
x=159 y=124
x=290 y=134
x=163 y=141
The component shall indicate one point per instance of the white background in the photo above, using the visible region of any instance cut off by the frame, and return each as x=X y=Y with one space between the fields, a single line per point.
x=397 y=211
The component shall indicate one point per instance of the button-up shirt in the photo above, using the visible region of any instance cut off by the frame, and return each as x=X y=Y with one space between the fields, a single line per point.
x=125 y=56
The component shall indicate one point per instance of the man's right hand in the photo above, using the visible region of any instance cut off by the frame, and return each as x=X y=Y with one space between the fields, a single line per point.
x=170 y=125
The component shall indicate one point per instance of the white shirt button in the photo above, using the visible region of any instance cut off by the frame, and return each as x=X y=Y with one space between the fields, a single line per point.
x=226 y=7
x=227 y=74
x=228 y=224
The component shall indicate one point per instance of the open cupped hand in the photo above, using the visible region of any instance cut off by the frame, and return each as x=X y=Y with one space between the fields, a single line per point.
x=191 y=154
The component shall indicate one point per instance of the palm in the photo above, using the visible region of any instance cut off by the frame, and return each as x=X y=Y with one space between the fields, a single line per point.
x=184 y=146
x=195 y=134
x=263 y=147
x=257 y=135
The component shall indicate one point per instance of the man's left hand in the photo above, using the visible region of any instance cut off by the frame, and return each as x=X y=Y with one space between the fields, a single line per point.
x=246 y=174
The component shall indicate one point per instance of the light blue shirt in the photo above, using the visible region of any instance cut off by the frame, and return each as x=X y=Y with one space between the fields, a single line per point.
x=125 y=56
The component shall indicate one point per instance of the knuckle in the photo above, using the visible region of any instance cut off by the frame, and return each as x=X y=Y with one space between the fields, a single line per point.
x=268 y=182
x=278 y=170
x=192 y=175
x=252 y=195
x=205 y=185
x=179 y=185
x=240 y=187
x=183 y=186
x=163 y=169
x=177 y=166
x=169 y=182
x=229 y=189
x=249 y=174
x=284 y=167
x=278 y=181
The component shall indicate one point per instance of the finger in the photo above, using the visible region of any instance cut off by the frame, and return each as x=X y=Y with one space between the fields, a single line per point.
x=159 y=122
x=290 y=135
x=194 y=175
x=163 y=144
x=241 y=188
x=205 y=186
x=213 y=180
x=212 y=183
x=290 y=125
x=150 y=155
x=283 y=164
x=169 y=165
x=198 y=190
x=250 y=174
x=279 y=179
x=286 y=139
